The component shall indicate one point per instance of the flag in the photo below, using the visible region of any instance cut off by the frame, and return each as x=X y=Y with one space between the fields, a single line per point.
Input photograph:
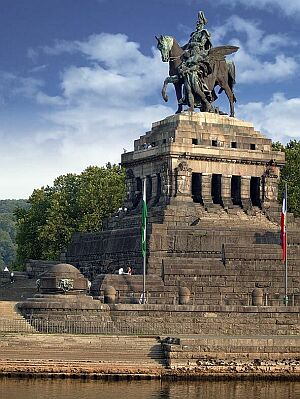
x=144 y=220
x=283 y=228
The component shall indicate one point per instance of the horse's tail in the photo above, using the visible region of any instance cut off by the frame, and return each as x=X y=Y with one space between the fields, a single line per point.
x=231 y=72
x=231 y=77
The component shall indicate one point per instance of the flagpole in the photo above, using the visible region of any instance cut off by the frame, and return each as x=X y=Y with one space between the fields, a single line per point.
x=145 y=235
x=286 y=259
x=144 y=280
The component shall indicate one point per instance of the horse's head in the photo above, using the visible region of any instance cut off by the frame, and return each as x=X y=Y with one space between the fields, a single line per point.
x=164 y=45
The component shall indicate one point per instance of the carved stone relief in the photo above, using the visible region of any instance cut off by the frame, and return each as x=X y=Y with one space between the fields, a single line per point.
x=183 y=179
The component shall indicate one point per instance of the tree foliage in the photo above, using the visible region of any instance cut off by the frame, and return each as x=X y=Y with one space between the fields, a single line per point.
x=290 y=174
x=73 y=203
x=8 y=230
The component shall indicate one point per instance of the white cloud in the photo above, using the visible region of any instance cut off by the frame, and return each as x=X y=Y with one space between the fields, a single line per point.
x=102 y=107
x=279 y=119
x=256 y=40
x=255 y=59
x=60 y=47
x=253 y=70
x=38 y=68
x=74 y=138
x=12 y=85
x=289 y=7
x=32 y=54
x=44 y=99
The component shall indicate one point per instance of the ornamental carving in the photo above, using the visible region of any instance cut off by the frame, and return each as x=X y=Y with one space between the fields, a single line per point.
x=183 y=178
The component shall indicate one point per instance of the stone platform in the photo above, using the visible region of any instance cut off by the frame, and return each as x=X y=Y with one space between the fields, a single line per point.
x=213 y=225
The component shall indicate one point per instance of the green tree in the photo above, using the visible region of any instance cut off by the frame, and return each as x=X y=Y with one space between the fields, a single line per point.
x=277 y=146
x=7 y=248
x=101 y=193
x=74 y=203
x=8 y=230
x=291 y=174
x=29 y=224
x=62 y=216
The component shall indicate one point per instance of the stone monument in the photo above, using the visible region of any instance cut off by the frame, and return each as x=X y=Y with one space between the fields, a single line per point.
x=212 y=185
x=213 y=223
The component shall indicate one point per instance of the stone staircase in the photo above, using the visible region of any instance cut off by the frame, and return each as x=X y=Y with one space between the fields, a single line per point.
x=84 y=352
x=237 y=218
x=11 y=320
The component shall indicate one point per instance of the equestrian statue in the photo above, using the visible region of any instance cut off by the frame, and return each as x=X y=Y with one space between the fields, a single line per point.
x=197 y=68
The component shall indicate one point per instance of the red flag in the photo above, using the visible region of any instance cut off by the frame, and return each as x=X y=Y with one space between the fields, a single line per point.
x=283 y=228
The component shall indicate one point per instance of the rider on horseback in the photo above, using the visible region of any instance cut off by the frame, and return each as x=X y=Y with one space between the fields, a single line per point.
x=195 y=67
x=201 y=36
x=199 y=68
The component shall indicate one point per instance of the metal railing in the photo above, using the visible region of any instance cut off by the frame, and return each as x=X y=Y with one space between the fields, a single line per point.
x=91 y=327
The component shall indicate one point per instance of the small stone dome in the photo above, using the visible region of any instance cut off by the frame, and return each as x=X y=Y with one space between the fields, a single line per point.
x=63 y=278
x=63 y=268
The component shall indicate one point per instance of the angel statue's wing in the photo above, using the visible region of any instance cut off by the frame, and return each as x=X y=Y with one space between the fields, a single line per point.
x=219 y=53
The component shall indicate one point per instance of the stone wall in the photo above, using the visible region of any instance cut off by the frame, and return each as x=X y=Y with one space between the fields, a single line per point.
x=246 y=355
x=210 y=320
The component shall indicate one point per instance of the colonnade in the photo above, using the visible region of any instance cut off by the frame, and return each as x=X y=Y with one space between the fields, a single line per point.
x=205 y=188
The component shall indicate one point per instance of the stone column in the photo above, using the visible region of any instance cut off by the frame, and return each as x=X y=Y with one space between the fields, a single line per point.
x=165 y=179
x=206 y=190
x=138 y=193
x=154 y=193
x=245 y=192
x=226 y=191
x=130 y=185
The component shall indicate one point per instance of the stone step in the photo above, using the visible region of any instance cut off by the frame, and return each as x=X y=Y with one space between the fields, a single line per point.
x=11 y=320
x=78 y=348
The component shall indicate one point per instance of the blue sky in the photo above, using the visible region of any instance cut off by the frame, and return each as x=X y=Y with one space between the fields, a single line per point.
x=81 y=79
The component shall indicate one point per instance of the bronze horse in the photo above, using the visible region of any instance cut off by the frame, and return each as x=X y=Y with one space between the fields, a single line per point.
x=222 y=75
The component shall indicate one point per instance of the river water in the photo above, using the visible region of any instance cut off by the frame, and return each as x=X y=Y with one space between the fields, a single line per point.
x=96 y=389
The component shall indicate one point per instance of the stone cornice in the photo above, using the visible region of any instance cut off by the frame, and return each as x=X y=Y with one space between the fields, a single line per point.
x=185 y=155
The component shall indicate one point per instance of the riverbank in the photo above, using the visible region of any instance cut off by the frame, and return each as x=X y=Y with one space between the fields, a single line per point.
x=144 y=375
x=145 y=358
